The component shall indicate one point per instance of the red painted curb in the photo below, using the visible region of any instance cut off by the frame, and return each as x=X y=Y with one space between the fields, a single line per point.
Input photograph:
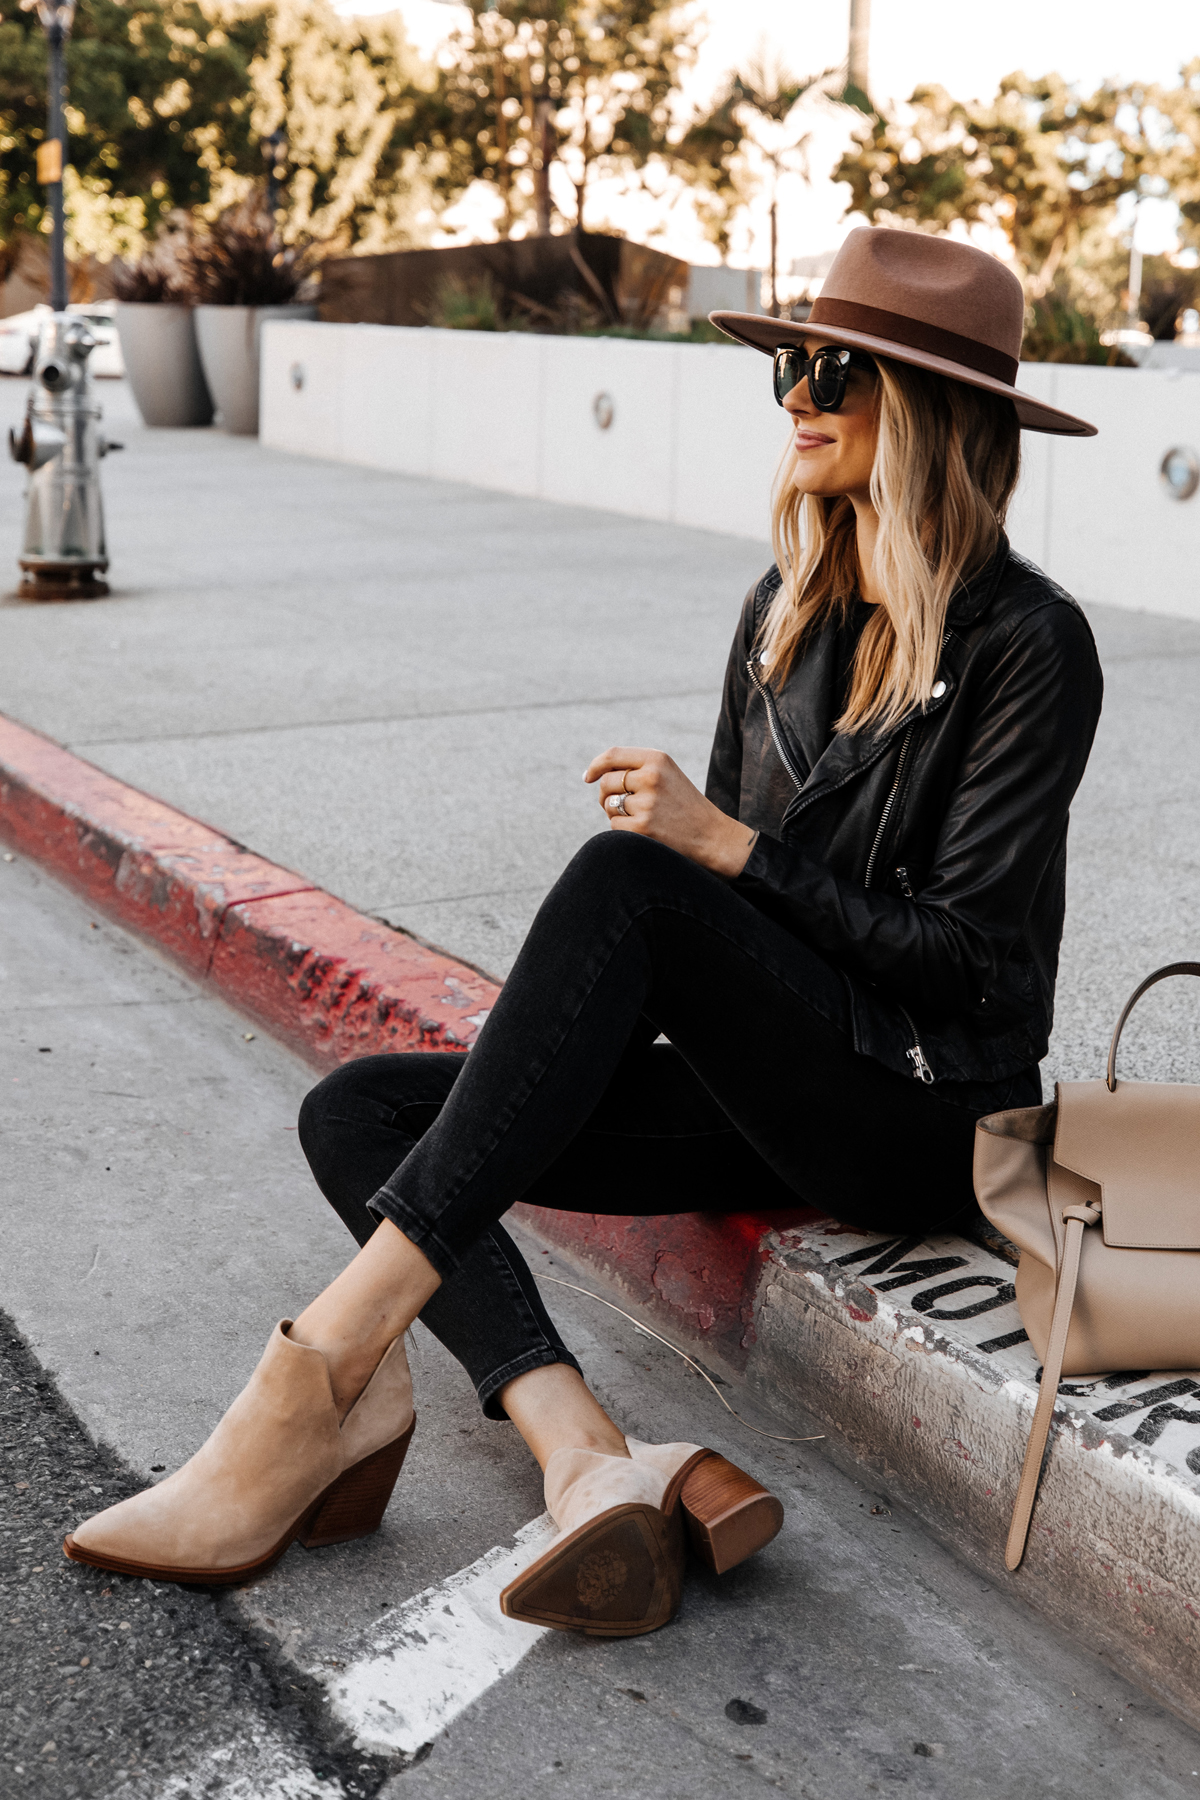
x=333 y=984
x=328 y=981
x=698 y=1274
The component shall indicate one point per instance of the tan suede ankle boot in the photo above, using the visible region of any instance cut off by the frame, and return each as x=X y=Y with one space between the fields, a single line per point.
x=727 y=1514
x=278 y=1467
x=616 y=1568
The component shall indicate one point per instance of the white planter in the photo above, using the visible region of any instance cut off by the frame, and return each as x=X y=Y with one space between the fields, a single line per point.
x=229 y=350
x=162 y=362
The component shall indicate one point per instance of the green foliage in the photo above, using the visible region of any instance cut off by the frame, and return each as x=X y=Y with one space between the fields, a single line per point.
x=1044 y=166
x=159 y=104
x=468 y=306
x=759 y=107
x=169 y=101
x=1034 y=161
x=1057 y=331
x=589 y=82
x=346 y=92
x=478 y=306
x=698 y=332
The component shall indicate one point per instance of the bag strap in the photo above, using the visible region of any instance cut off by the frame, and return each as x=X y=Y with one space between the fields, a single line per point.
x=1076 y=1219
x=1185 y=968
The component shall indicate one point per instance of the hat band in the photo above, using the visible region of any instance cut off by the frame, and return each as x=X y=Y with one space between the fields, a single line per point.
x=915 y=334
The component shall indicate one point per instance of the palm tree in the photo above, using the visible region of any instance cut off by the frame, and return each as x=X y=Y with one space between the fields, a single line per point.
x=765 y=97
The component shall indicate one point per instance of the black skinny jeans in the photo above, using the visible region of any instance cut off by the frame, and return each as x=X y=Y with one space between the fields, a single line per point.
x=758 y=1101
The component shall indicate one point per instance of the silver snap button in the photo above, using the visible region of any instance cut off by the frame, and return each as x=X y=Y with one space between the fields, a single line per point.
x=938 y=689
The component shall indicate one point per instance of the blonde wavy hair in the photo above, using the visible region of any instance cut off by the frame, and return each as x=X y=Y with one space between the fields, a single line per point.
x=946 y=463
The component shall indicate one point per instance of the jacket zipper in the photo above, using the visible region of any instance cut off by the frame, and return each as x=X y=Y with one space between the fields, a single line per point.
x=916 y=1056
x=776 y=730
x=889 y=803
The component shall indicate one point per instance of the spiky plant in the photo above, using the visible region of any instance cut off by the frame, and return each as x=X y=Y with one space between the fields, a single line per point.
x=238 y=260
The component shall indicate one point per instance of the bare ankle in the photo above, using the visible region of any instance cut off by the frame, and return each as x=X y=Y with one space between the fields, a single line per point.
x=608 y=1443
x=553 y=1409
x=370 y=1304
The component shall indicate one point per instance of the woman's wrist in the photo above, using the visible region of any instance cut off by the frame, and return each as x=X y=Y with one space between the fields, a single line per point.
x=731 y=851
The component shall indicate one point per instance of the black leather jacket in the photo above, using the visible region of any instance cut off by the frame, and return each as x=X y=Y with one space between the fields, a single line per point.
x=927 y=861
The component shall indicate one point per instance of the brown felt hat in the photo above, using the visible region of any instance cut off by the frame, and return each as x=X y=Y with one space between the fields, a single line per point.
x=924 y=300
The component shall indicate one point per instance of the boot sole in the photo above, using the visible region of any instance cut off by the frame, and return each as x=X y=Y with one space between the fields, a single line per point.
x=350 y=1507
x=618 y=1575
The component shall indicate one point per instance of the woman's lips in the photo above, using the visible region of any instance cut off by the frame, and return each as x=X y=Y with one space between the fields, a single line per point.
x=811 y=440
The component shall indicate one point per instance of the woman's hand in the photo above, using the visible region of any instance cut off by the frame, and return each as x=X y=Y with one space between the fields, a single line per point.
x=661 y=803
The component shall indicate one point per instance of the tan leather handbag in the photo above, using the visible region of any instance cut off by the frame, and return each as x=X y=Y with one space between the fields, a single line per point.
x=1124 y=1155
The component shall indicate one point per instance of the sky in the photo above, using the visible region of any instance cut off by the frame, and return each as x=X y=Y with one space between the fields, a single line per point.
x=964 y=47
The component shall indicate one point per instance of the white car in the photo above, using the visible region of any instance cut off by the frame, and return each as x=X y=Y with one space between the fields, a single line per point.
x=106 y=358
x=19 y=336
x=18 y=340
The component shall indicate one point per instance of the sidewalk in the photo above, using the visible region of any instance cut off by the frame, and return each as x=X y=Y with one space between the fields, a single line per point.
x=393 y=686
x=390 y=686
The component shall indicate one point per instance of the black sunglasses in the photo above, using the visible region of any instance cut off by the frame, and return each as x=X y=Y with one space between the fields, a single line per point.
x=827 y=371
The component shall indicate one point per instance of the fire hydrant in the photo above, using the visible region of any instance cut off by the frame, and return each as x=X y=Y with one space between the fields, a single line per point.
x=61 y=444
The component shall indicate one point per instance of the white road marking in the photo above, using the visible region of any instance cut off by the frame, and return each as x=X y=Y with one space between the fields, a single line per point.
x=262 y=1767
x=439 y=1652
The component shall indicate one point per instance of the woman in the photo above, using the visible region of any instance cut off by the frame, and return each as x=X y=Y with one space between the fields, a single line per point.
x=850 y=943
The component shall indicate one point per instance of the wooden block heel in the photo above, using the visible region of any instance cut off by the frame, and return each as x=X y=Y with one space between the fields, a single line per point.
x=354 y=1506
x=728 y=1514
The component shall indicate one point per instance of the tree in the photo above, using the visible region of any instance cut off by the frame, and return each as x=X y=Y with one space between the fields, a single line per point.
x=589 y=83
x=1043 y=165
x=758 y=116
x=171 y=102
x=710 y=158
x=1179 y=165
x=346 y=92
x=159 y=107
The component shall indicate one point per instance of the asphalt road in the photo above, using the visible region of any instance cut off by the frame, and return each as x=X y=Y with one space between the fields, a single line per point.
x=157 y=1219
x=118 y=1687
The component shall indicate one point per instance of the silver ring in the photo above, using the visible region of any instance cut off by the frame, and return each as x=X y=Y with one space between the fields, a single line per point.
x=616 y=804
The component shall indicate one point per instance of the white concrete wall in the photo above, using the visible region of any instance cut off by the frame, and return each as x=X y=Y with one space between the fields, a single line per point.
x=696 y=437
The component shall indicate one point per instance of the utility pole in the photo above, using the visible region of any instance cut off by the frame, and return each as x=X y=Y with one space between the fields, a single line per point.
x=774 y=247
x=274 y=149
x=860 y=34
x=1133 y=316
x=546 y=139
x=56 y=17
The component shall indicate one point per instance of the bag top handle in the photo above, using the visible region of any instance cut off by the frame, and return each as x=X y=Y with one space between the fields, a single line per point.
x=1183 y=968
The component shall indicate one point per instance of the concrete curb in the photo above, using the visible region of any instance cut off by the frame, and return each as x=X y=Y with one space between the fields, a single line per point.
x=329 y=982
x=940 y=1407
x=793 y=1306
